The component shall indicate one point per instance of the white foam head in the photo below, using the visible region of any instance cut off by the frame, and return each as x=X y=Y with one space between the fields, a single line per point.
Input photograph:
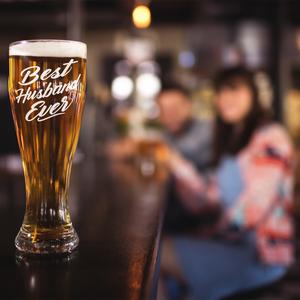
x=48 y=48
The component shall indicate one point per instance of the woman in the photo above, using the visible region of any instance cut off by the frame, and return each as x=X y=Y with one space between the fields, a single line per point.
x=252 y=183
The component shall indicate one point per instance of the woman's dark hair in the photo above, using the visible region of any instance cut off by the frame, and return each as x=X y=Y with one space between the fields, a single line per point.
x=224 y=140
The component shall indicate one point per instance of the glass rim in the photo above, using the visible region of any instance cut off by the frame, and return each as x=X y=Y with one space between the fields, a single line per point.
x=45 y=41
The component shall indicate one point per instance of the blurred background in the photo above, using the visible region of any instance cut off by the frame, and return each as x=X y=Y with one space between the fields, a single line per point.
x=135 y=47
x=130 y=56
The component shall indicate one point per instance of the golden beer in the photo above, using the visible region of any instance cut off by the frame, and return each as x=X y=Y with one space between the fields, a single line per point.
x=47 y=92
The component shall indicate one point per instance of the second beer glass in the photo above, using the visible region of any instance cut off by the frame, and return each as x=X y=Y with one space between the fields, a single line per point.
x=46 y=84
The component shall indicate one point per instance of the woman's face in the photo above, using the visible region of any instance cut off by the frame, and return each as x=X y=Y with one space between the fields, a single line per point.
x=234 y=103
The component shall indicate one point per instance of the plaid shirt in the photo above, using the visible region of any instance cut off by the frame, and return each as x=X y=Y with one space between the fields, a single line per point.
x=265 y=203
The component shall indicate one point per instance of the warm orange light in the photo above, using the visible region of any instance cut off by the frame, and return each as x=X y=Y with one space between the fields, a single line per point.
x=141 y=16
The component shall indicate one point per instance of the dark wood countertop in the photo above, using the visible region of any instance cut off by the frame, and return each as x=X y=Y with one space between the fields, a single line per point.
x=117 y=214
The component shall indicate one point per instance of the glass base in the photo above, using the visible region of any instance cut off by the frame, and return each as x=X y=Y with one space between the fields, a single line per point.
x=46 y=244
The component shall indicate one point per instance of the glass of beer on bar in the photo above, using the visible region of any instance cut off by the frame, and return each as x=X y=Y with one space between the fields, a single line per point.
x=46 y=83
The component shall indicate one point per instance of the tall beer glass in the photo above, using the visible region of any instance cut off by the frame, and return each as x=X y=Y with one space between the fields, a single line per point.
x=46 y=85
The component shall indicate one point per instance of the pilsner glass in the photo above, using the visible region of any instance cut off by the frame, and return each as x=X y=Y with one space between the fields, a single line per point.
x=47 y=92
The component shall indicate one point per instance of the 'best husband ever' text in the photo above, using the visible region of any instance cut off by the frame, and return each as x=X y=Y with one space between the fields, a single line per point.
x=39 y=110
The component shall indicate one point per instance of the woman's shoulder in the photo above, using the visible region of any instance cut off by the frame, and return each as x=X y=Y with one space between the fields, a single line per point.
x=271 y=127
x=273 y=135
x=272 y=132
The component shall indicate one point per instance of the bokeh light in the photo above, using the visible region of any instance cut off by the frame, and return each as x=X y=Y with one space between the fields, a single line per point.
x=141 y=16
x=186 y=59
x=122 y=87
x=148 y=85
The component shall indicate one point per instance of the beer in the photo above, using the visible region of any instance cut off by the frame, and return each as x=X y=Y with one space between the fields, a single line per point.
x=47 y=92
x=154 y=149
x=152 y=152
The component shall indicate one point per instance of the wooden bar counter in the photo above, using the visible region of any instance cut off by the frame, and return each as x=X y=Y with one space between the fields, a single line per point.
x=118 y=216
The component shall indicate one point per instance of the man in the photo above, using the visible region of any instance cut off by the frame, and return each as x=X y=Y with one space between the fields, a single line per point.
x=190 y=137
x=183 y=133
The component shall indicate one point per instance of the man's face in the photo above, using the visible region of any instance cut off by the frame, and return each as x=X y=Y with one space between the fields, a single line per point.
x=175 y=110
